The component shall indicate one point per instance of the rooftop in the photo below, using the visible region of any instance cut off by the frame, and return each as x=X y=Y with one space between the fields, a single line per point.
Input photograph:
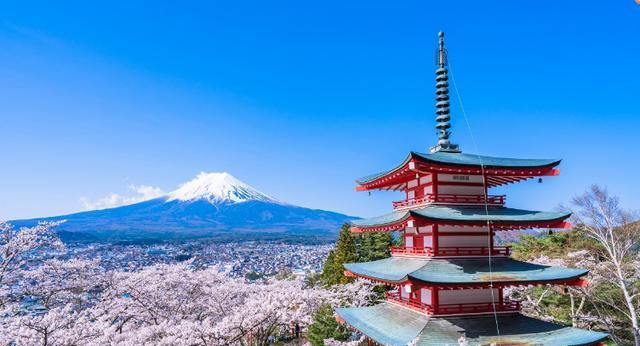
x=466 y=160
x=464 y=214
x=464 y=271
x=390 y=324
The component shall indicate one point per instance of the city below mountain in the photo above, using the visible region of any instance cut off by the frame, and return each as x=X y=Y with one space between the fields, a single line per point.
x=213 y=205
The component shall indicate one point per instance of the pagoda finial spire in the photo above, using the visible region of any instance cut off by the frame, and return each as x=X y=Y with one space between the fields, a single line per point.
x=442 y=102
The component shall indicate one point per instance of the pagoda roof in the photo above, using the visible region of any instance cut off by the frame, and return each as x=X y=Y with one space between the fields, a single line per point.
x=461 y=163
x=390 y=324
x=488 y=161
x=447 y=272
x=461 y=214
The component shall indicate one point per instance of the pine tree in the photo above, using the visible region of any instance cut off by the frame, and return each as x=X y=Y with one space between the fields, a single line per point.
x=329 y=276
x=345 y=253
x=374 y=246
x=381 y=245
x=325 y=326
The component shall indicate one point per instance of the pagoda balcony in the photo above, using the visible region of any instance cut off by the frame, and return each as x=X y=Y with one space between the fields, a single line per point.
x=454 y=309
x=451 y=251
x=494 y=200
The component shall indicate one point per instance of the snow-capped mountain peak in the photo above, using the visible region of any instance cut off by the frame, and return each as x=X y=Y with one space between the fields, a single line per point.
x=218 y=188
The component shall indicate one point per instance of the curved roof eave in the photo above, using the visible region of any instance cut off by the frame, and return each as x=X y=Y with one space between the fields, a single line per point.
x=465 y=160
x=473 y=160
x=382 y=220
x=372 y=177
x=464 y=214
x=391 y=324
x=462 y=271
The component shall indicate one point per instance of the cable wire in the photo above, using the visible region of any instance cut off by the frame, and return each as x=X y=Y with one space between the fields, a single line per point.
x=486 y=197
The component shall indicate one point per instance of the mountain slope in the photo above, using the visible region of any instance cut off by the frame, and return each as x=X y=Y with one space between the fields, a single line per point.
x=213 y=204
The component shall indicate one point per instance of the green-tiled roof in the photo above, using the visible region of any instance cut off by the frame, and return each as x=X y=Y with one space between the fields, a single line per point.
x=388 y=269
x=464 y=214
x=487 y=161
x=386 y=323
x=465 y=271
x=460 y=159
x=385 y=219
x=389 y=324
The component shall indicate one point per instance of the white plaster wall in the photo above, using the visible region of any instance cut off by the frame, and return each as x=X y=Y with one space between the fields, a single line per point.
x=425 y=295
x=460 y=190
x=426 y=179
x=466 y=296
x=408 y=241
x=463 y=240
x=425 y=229
x=448 y=228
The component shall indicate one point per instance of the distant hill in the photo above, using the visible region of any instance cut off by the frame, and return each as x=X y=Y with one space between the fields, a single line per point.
x=211 y=205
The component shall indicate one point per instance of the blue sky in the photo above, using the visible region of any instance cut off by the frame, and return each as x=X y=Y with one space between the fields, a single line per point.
x=300 y=98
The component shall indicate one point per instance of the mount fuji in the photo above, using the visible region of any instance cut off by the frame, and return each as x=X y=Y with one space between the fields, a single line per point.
x=213 y=205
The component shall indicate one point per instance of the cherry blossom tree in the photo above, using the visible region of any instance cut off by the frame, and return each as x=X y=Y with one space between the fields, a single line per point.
x=180 y=305
x=16 y=245
x=55 y=302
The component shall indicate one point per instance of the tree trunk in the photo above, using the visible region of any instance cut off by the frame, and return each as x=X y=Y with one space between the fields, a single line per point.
x=630 y=306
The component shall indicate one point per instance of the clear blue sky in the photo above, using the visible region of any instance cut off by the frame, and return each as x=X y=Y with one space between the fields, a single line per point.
x=300 y=98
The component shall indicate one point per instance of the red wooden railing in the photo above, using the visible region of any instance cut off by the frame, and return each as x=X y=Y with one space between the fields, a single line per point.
x=451 y=251
x=453 y=309
x=411 y=303
x=450 y=199
x=426 y=251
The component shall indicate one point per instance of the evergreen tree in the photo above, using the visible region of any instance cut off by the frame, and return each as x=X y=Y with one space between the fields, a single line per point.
x=345 y=252
x=325 y=326
x=382 y=242
x=374 y=246
x=329 y=276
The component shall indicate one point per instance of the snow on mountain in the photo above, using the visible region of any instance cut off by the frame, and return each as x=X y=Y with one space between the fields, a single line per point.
x=211 y=205
x=218 y=188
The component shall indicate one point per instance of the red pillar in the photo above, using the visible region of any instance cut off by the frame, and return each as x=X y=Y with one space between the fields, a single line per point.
x=434 y=299
x=434 y=241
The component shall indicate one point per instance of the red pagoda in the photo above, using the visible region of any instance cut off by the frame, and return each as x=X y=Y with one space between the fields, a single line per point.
x=449 y=277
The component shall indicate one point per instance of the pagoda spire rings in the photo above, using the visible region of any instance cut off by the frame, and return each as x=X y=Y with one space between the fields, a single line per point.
x=443 y=116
